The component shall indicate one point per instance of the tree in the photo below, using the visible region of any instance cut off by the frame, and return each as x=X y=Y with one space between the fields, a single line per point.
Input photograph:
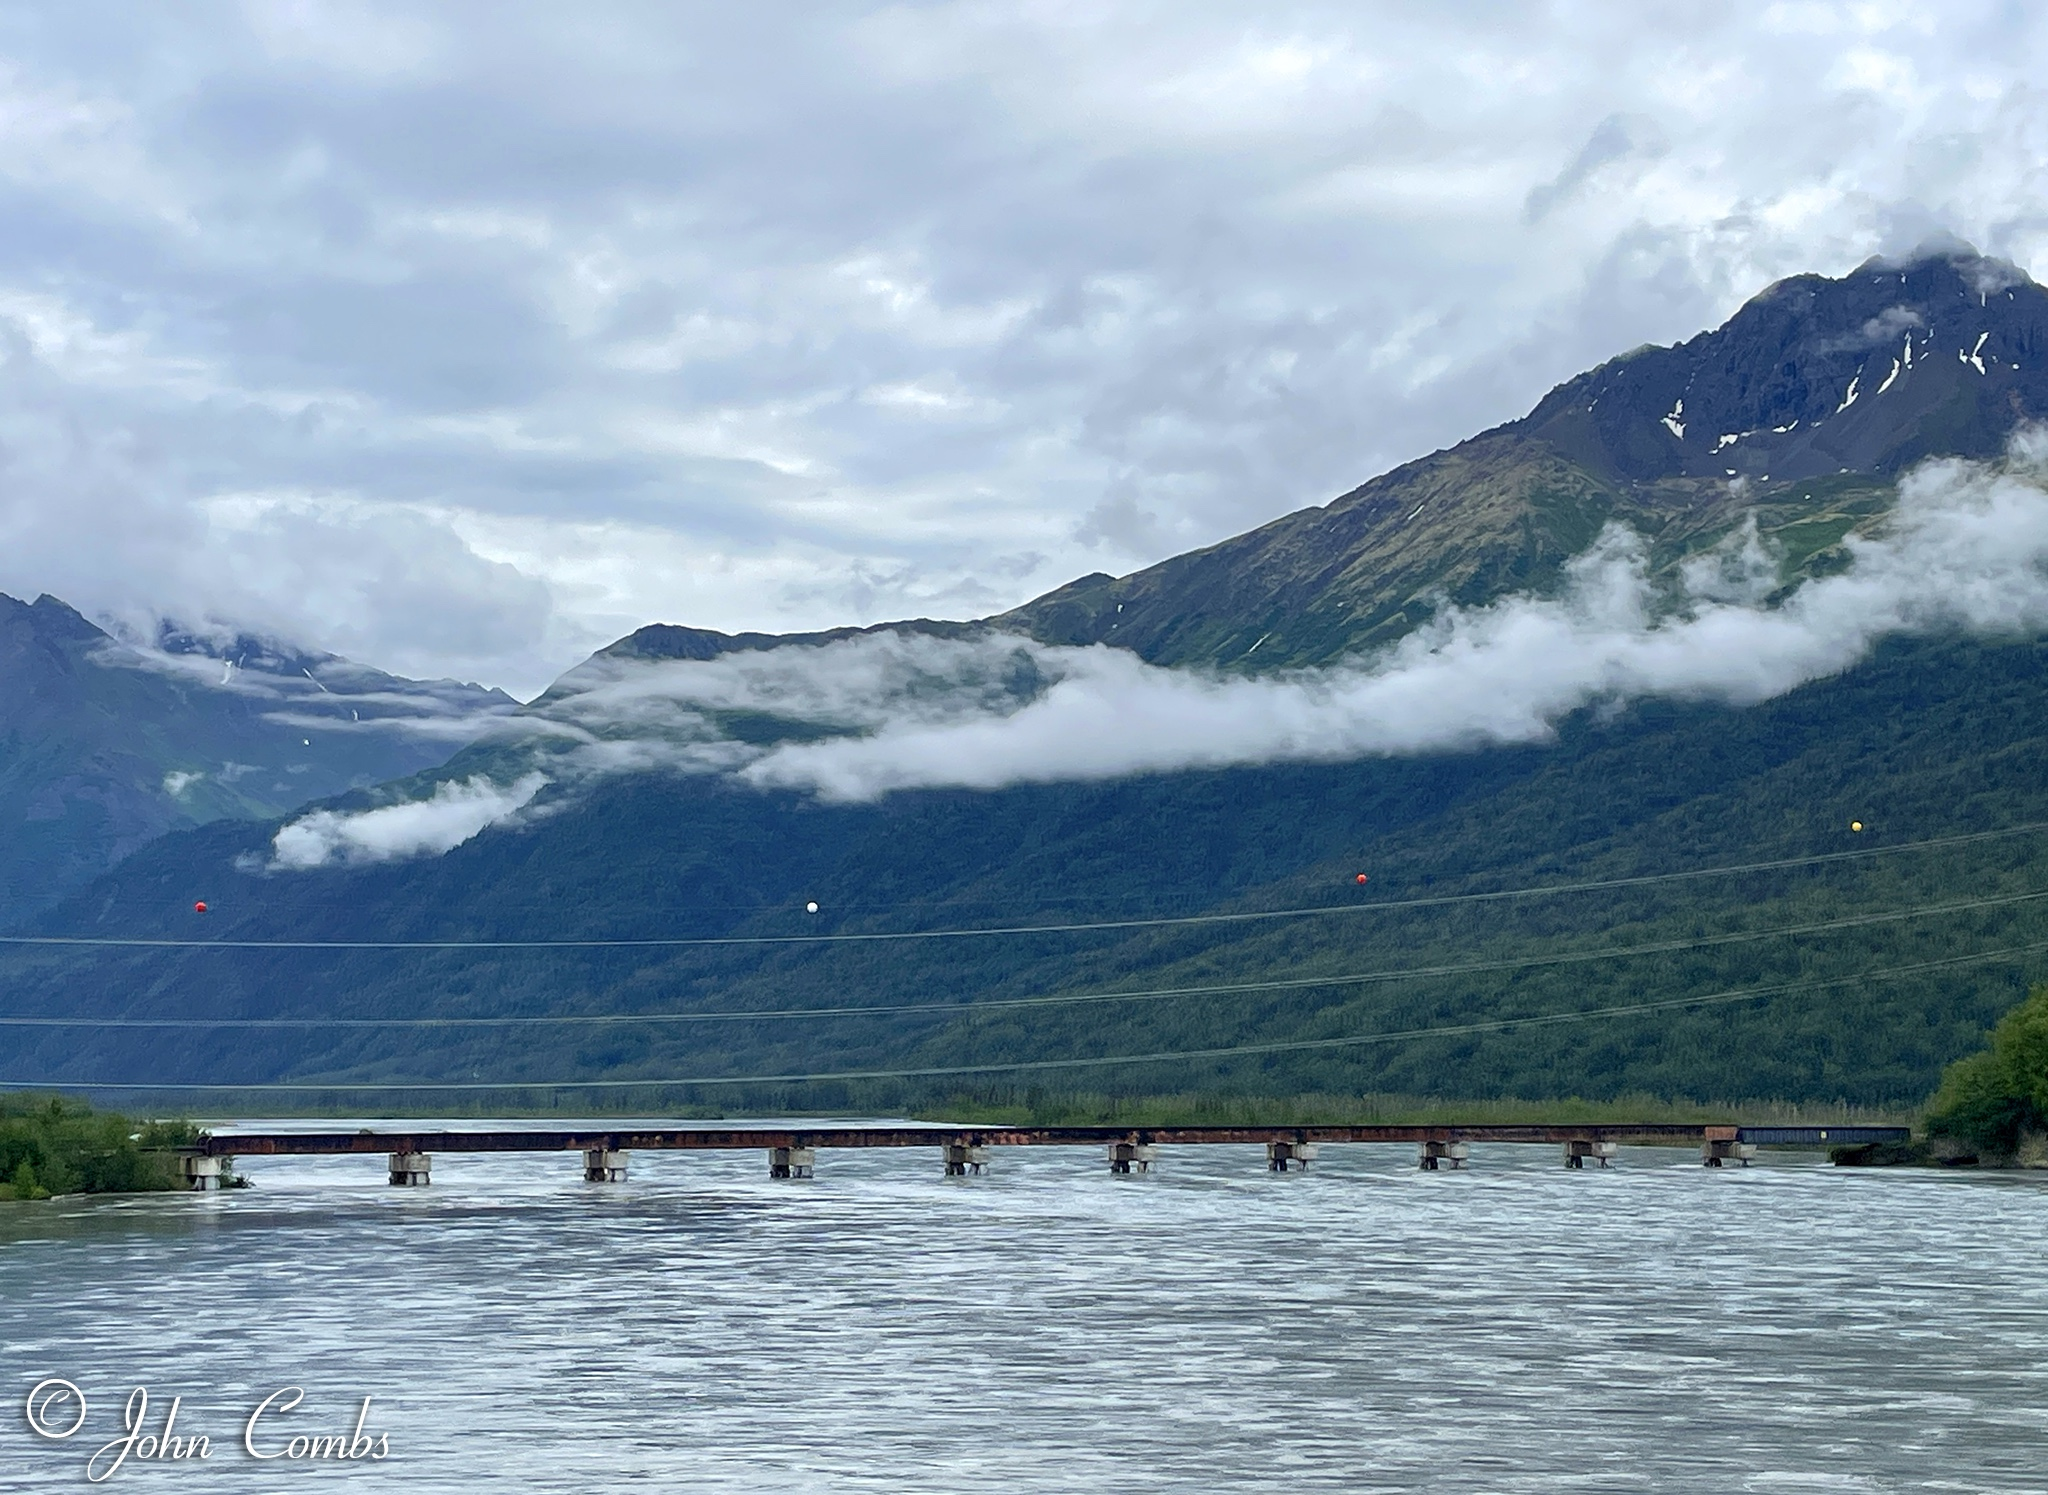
x=1991 y=1100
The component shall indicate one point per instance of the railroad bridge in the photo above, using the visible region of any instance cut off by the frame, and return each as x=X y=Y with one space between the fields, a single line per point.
x=792 y=1151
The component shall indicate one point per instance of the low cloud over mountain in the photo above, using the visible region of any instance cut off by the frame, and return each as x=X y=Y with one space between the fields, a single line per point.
x=1966 y=549
x=455 y=812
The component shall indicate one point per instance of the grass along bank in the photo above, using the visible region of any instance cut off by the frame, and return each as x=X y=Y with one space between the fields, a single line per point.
x=1199 y=1109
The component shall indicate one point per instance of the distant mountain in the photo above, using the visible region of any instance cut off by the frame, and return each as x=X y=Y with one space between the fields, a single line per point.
x=1798 y=415
x=106 y=744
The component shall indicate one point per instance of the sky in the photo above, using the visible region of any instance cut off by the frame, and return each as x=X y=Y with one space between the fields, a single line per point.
x=462 y=339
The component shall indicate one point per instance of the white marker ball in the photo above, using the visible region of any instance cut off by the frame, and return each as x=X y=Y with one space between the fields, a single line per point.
x=810 y=908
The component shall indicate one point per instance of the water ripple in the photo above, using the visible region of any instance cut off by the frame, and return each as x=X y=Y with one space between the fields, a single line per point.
x=1209 y=1328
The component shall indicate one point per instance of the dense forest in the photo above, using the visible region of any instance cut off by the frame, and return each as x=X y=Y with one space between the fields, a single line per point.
x=1894 y=955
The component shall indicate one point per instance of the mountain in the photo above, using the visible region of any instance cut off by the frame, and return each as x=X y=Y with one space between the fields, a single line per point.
x=1929 y=740
x=108 y=744
x=1799 y=411
x=1799 y=417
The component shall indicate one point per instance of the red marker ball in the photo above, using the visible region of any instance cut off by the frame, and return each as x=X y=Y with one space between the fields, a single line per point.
x=1361 y=877
x=198 y=908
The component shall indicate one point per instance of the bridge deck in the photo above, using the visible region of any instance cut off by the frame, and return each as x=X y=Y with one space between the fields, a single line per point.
x=721 y=1138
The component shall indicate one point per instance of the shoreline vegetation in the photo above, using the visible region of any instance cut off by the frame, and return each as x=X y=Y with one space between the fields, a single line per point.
x=1992 y=1107
x=1199 y=1109
x=51 y=1144
x=1991 y=1110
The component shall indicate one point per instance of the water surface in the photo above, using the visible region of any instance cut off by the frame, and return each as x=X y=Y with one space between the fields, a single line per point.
x=1050 y=1327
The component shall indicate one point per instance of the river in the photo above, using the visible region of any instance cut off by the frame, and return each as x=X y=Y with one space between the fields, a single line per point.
x=1049 y=1327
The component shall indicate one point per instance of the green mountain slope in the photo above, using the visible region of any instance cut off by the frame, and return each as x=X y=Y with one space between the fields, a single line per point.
x=1931 y=739
x=1798 y=416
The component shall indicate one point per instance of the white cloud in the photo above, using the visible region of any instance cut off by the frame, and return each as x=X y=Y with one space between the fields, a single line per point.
x=1966 y=550
x=367 y=40
x=323 y=695
x=457 y=812
x=782 y=322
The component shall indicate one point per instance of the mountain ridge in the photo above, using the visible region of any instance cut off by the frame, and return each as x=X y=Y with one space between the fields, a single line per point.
x=107 y=744
x=1507 y=508
x=1926 y=736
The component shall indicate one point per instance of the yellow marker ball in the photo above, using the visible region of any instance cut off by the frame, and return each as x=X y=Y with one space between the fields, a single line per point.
x=1855 y=825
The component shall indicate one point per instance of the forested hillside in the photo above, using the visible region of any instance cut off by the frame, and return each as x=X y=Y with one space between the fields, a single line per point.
x=1817 y=891
x=1932 y=740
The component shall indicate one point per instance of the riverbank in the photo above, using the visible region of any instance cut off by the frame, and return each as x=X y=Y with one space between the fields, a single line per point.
x=1941 y=1152
x=1197 y=1109
x=51 y=1145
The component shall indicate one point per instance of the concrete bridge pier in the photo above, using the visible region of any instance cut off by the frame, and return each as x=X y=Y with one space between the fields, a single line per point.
x=604 y=1165
x=1280 y=1156
x=409 y=1170
x=965 y=1157
x=202 y=1174
x=1132 y=1157
x=792 y=1162
x=1579 y=1149
x=1435 y=1155
x=1717 y=1152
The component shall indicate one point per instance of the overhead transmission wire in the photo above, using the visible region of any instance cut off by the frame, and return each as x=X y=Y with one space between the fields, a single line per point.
x=1022 y=1066
x=62 y=941
x=991 y=1004
x=1168 y=1056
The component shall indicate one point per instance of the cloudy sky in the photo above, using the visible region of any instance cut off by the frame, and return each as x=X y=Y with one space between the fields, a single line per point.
x=464 y=338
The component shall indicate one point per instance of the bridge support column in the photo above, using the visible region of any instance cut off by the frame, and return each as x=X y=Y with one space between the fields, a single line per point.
x=965 y=1157
x=409 y=1169
x=1718 y=1153
x=1280 y=1156
x=604 y=1165
x=203 y=1174
x=1435 y=1155
x=791 y=1162
x=1132 y=1157
x=1579 y=1149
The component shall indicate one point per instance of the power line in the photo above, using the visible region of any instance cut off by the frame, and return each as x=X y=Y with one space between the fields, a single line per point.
x=1571 y=957
x=1301 y=1045
x=64 y=941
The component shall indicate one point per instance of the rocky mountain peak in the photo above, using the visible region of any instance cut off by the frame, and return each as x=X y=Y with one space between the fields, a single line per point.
x=1940 y=354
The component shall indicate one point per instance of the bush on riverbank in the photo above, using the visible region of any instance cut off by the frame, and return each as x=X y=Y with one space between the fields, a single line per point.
x=1995 y=1103
x=52 y=1145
